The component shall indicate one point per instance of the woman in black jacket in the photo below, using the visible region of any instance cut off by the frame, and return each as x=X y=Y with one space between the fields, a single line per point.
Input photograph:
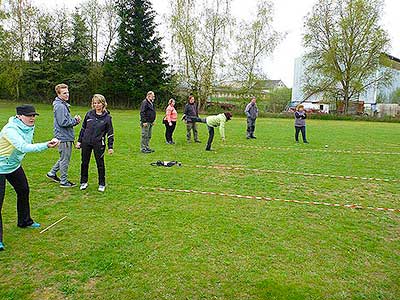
x=95 y=127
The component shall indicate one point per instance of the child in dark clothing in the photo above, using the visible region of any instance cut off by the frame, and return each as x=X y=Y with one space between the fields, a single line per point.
x=300 y=123
x=95 y=127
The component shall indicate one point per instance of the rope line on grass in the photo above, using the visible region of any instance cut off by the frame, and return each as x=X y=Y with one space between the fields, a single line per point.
x=236 y=168
x=52 y=225
x=350 y=206
x=315 y=150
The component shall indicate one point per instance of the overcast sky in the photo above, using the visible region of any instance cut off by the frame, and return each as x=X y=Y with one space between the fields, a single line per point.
x=289 y=17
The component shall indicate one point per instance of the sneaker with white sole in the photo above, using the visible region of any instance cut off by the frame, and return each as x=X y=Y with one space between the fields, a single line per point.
x=1 y=246
x=102 y=188
x=68 y=184
x=53 y=177
x=83 y=186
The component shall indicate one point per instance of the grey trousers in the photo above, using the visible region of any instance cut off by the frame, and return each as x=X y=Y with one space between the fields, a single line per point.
x=251 y=126
x=189 y=127
x=146 y=136
x=65 y=150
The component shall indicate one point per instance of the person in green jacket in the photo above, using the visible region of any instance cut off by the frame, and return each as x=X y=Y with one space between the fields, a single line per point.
x=216 y=121
x=15 y=141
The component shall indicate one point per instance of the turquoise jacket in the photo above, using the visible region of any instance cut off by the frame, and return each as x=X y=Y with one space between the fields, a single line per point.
x=15 y=141
x=217 y=121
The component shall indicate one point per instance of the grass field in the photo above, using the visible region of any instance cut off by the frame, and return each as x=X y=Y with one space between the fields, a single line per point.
x=130 y=243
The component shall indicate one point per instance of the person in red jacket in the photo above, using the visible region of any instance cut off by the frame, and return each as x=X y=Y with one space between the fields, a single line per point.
x=170 y=121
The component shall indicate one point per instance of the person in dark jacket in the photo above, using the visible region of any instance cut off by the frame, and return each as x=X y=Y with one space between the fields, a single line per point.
x=96 y=125
x=147 y=118
x=190 y=115
x=251 y=112
x=300 y=123
x=64 y=131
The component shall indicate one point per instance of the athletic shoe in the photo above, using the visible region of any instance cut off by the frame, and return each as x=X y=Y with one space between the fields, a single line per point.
x=197 y=141
x=253 y=137
x=248 y=137
x=102 y=188
x=209 y=149
x=306 y=142
x=33 y=225
x=53 y=177
x=1 y=246
x=151 y=150
x=83 y=186
x=68 y=184
x=146 y=151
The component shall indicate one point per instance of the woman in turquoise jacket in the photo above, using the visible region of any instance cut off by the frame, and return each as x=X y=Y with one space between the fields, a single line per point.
x=15 y=141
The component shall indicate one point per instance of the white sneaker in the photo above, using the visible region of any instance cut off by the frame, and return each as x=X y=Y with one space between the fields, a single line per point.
x=84 y=186
x=102 y=188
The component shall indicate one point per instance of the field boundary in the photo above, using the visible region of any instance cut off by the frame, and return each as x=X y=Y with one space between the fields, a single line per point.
x=238 y=168
x=312 y=150
x=264 y=198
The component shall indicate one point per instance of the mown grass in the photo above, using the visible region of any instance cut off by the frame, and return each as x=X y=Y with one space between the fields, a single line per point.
x=130 y=243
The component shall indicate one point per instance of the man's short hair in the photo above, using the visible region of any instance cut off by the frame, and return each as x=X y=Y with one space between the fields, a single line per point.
x=59 y=87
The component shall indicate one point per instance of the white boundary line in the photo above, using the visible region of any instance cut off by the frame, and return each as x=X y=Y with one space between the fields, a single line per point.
x=351 y=206
x=48 y=227
x=314 y=150
x=237 y=168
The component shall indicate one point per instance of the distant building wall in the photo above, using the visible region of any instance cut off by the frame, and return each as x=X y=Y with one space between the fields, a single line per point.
x=370 y=96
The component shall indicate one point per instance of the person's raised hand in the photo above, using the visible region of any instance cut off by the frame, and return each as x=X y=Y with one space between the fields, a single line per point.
x=53 y=143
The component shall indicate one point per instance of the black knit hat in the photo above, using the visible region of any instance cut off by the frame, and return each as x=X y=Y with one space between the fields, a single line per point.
x=26 y=110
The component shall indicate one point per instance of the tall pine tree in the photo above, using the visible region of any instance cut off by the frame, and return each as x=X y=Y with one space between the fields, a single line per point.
x=136 y=64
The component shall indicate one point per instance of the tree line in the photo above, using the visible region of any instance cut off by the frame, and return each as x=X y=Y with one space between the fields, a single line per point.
x=108 y=47
x=113 y=47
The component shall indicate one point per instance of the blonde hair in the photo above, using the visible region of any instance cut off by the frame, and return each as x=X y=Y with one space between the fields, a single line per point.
x=59 y=87
x=101 y=99
x=170 y=101
x=149 y=93
x=299 y=106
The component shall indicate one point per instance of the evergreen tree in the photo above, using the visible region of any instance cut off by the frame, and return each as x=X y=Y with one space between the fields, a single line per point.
x=136 y=64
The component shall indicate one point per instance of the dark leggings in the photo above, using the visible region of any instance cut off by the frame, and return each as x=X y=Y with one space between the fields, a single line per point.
x=99 y=157
x=210 y=137
x=169 y=130
x=20 y=184
x=303 y=133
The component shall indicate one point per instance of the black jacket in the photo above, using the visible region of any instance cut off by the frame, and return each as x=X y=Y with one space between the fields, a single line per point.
x=190 y=111
x=95 y=128
x=147 y=112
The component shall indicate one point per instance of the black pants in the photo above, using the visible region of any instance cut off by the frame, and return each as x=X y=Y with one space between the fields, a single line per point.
x=169 y=130
x=20 y=184
x=303 y=133
x=99 y=157
x=210 y=137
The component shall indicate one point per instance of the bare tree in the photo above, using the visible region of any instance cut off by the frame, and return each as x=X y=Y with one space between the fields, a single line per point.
x=111 y=20
x=92 y=11
x=198 y=38
x=255 y=40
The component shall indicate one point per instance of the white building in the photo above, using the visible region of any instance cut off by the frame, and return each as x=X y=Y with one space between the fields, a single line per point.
x=370 y=97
